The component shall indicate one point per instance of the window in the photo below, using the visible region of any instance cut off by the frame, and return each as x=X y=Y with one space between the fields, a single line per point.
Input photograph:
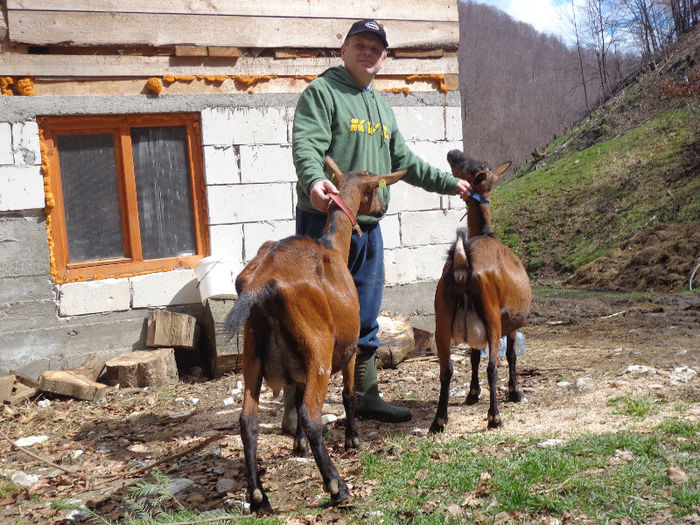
x=128 y=194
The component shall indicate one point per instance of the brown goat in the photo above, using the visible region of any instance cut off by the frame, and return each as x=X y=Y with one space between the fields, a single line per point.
x=300 y=307
x=483 y=294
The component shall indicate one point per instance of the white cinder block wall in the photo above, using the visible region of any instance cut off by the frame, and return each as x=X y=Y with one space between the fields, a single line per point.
x=251 y=188
x=251 y=198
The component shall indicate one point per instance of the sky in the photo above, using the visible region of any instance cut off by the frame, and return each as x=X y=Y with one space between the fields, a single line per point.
x=544 y=15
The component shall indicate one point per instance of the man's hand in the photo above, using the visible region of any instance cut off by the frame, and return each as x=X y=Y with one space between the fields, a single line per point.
x=463 y=188
x=319 y=199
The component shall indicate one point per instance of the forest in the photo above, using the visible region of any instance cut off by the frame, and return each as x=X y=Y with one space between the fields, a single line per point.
x=521 y=89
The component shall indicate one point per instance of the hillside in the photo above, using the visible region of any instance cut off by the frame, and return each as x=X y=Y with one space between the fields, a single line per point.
x=615 y=202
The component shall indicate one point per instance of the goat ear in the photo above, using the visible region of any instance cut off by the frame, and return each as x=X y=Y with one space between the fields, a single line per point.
x=390 y=179
x=500 y=170
x=332 y=167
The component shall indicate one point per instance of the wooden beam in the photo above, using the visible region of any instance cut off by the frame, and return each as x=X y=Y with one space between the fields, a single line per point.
x=418 y=53
x=111 y=66
x=223 y=51
x=124 y=29
x=445 y=10
x=190 y=51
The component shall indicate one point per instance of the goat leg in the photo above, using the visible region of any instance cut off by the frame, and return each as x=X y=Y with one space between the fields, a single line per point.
x=474 y=388
x=252 y=374
x=300 y=446
x=494 y=417
x=515 y=393
x=352 y=439
x=310 y=419
x=445 y=306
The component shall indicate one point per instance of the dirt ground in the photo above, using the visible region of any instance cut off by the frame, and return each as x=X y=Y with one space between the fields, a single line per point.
x=581 y=352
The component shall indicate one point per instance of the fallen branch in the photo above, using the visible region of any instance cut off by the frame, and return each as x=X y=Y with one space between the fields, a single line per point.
x=621 y=312
x=37 y=456
x=166 y=459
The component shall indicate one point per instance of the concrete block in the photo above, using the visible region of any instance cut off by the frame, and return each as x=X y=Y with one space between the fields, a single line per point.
x=249 y=203
x=429 y=261
x=429 y=227
x=435 y=153
x=267 y=163
x=24 y=247
x=25 y=288
x=257 y=233
x=221 y=165
x=222 y=126
x=21 y=188
x=7 y=156
x=405 y=197
x=25 y=142
x=92 y=297
x=421 y=122
x=398 y=266
x=453 y=123
x=226 y=241
x=21 y=314
x=391 y=231
x=165 y=288
x=217 y=128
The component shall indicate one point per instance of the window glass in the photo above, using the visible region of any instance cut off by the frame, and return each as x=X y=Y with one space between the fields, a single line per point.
x=90 y=197
x=161 y=168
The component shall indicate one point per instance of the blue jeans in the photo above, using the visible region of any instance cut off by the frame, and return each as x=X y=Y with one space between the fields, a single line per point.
x=366 y=264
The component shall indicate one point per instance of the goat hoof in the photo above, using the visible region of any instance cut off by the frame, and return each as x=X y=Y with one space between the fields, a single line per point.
x=438 y=426
x=259 y=503
x=515 y=395
x=352 y=442
x=494 y=421
x=301 y=447
x=343 y=495
x=473 y=397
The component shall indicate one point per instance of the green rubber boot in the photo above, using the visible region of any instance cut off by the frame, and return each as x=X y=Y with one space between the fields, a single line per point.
x=370 y=405
x=289 y=417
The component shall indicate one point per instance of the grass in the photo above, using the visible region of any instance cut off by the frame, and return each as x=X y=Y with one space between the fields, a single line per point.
x=636 y=407
x=583 y=478
x=580 y=204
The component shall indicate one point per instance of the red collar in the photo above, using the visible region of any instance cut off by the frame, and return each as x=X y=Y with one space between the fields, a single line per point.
x=339 y=202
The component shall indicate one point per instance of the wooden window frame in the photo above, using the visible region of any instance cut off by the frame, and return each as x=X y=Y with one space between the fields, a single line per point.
x=120 y=127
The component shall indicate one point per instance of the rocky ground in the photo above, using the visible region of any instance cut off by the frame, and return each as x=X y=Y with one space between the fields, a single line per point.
x=582 y=351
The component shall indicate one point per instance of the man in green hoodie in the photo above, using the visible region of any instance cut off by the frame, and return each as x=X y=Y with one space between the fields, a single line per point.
x=341 y=115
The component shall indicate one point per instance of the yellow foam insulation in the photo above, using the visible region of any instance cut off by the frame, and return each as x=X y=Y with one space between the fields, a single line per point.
x=5 y=83
x=50 y=202
x=154 y=85
x=439 y=79
x=25 y=87
x=404 y=90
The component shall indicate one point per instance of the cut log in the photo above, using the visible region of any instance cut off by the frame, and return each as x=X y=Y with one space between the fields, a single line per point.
x=396 y=335
x=226 y=351
x=143 y=368
x=171 y=329
x=27 y=381
x=72 y=384
x=7 y=384
x=91 y=368
x=425 y=342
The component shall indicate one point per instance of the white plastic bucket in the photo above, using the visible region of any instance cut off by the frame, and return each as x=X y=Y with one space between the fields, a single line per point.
x=216 y=276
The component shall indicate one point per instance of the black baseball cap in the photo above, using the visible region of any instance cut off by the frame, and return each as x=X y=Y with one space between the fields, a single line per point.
x=368 y=26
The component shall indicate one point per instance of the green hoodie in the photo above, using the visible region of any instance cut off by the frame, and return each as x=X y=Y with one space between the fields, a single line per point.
x=357 y=129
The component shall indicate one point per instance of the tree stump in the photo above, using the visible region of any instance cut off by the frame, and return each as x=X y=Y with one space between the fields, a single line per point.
x=396 y=336
x=171 y=329
x=143 y=368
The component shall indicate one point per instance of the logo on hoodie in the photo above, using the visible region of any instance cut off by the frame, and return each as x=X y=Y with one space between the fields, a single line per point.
x=367 y=126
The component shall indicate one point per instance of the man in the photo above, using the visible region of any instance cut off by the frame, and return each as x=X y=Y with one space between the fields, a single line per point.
x=339 y=114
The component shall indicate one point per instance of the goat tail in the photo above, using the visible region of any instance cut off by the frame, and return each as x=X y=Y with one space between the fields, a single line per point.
x=460 y=261
x=240 y=312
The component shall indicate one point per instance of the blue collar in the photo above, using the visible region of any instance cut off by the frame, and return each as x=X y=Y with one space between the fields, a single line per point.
x=478 y=198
